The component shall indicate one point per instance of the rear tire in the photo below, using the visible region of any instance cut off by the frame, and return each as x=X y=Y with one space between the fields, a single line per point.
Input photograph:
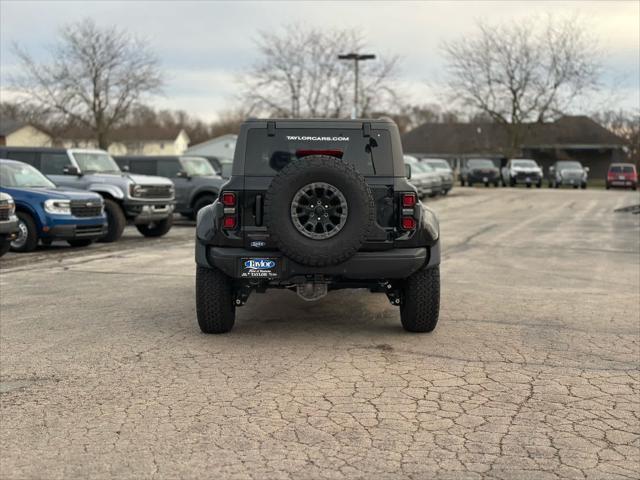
x=214 y=301
x=116 y=221
x=462 y=182
x=583 y=186
x=420 y=306
x=80 y=242
x=202 y=202
x=156 y=229
x=28 y=228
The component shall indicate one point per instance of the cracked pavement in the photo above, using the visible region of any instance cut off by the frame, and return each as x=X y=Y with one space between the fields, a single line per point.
x=531 y=373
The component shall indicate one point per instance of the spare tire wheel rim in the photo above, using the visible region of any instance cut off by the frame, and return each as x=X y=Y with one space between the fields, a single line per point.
x=319 y=210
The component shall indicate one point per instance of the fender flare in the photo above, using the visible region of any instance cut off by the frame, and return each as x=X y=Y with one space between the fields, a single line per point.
x=105 y=188
x=36 y=214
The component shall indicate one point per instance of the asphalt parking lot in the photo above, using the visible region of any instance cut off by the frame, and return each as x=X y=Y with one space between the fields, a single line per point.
x=531 y=373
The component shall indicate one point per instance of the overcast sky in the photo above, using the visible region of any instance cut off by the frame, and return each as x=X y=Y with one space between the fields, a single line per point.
x=204 y=45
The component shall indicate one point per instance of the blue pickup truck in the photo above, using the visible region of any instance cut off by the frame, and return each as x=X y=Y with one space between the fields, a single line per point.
x=46 y=212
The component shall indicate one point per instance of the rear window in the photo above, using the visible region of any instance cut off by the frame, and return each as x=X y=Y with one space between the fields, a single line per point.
x=267 y=155
x=621 y=169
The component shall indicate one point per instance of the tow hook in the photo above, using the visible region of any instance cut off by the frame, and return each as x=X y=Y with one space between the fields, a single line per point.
x=393 y=294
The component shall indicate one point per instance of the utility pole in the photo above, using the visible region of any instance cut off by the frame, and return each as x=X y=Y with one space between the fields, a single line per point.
x=356 y=57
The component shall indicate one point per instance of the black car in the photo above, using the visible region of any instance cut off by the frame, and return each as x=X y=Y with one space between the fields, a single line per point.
x=196 y=183
x=312 y=206
x=479 y=170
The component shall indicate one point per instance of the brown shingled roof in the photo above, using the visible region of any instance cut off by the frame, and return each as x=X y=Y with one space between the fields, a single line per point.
x=452 y=138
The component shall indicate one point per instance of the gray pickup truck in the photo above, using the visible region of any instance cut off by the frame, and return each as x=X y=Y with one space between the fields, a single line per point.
x=147 y=202
x=196 y=182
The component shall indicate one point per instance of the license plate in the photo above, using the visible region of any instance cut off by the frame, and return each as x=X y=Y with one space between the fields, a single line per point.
x=621 y=177
x=571 y=182
x=485 y=179
x=259 y=267
x=528 y=180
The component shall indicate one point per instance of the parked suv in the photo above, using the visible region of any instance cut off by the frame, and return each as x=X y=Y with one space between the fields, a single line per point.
x=444 y=169
x=312 y=206
x=424 y=177
x=46 y=212
x=569 y=173
x=8 y=222
x=196 y=182
x=145 y=201
x=521 y=170
x=479 y=170
x=622 y=175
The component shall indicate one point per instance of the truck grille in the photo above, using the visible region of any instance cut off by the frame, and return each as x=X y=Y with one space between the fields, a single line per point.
x=86 y=208
x=4 y=213
x=156 y=191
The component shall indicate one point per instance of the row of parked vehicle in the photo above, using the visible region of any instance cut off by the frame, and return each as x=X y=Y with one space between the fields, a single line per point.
x=431 y=176
x=83 y=196
x=525 y=171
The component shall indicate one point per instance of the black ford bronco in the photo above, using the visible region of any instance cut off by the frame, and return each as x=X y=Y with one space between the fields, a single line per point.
x=312 y=206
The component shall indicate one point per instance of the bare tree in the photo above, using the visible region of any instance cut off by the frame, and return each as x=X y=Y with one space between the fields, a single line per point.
x=299 y=74
x=95 y=76
x=625 y=124
x=523 y=72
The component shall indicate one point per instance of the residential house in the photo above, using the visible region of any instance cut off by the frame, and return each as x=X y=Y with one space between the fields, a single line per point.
x=222 y=147
x=14 y=133
x=132 y=140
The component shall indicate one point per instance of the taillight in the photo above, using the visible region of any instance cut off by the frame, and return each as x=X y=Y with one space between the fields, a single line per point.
x=230 y=219
x=229 y=199
x=409 y=200
x=229 y=222
x=408 y=223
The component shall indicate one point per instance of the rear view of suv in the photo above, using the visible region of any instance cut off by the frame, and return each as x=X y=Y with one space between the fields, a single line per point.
x=623 y=175
x=312 y=206
x=145 y=201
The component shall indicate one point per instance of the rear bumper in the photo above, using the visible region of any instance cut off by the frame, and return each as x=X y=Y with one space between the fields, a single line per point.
x=389 y=264
x=622 y=183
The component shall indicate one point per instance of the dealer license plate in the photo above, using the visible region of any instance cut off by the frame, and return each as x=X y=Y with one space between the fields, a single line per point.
x=259 y=267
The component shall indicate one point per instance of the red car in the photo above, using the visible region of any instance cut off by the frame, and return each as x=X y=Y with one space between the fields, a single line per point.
x=622 y=175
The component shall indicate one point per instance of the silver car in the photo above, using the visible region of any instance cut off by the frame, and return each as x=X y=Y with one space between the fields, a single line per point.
x=426 y=179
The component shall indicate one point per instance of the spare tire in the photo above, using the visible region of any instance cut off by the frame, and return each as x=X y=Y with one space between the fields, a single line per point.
x=319 y=210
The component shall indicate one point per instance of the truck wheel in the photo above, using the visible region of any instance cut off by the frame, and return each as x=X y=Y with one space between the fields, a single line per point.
x=462 y=182
x=319 y=210
x=583 y=186
x=202 y=202
x=420 y=305
x=80 y=242
x=214 y=301
x=115 y=221
x=512 y=182
x=156 y=229
x=5 y=245
x=27 y=239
